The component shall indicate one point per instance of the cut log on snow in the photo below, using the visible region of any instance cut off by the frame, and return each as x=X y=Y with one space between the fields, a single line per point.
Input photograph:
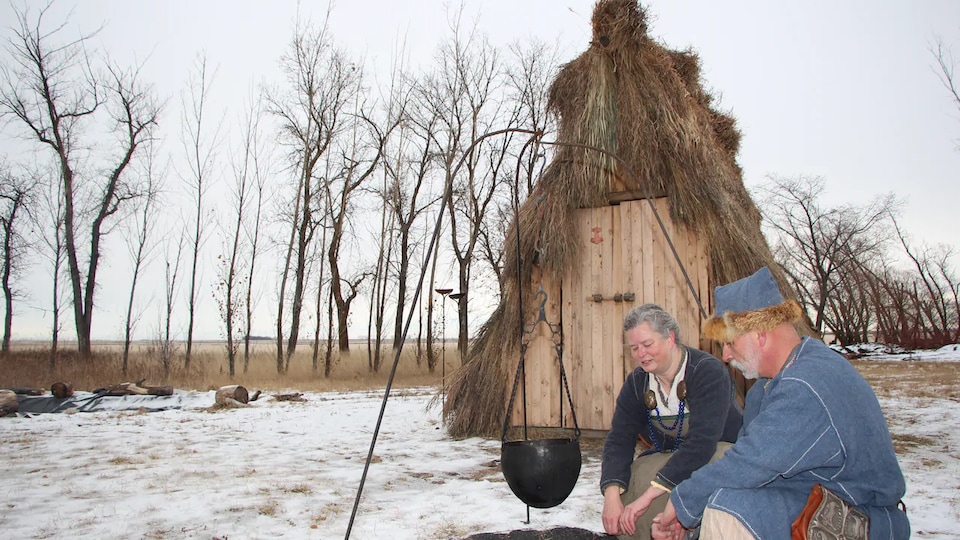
x=61 y=390
x=8 y=402
x=159 y=390
x=231 y=395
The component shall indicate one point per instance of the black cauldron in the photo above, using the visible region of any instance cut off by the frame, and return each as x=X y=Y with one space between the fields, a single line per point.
x=541 y=472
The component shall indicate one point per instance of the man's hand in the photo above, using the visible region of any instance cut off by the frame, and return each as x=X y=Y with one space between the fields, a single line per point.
x=612 y=509
x=666 y=526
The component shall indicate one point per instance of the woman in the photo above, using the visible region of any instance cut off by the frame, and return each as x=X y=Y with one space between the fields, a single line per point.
x=679 y=402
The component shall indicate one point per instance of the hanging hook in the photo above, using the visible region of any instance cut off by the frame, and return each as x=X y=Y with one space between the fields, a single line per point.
x=555 y=329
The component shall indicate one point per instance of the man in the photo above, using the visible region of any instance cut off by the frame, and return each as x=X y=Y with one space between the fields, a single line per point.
x=809 y=419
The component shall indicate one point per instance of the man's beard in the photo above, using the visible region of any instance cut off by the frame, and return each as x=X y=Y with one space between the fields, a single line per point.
x=747 y=372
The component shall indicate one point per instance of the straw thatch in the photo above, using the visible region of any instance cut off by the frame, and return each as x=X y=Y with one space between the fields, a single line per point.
x=644 y=104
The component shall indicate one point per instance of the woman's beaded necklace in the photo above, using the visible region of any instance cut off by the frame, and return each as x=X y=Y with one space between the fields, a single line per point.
x=650 y=400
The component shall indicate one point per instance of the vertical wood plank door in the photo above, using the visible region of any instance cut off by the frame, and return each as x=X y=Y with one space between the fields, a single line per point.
x=626 y=261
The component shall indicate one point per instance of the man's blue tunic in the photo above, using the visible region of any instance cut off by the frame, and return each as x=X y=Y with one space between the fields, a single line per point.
x=817 y=421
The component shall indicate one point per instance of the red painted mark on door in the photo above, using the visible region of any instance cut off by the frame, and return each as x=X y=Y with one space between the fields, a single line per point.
x=596 y=235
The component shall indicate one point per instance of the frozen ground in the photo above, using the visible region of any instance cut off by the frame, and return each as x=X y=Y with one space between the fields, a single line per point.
x=291 y=469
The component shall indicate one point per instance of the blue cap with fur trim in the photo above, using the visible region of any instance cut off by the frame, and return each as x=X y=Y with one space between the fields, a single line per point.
x=748 y=304
x=753 y=292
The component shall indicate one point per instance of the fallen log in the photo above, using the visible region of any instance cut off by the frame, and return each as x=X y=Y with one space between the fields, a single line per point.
x=135 y=389
x=231 y=395
x=8 y=403
x=289 y=397
x=159 y=390
x=27 y=391
x=126 y=389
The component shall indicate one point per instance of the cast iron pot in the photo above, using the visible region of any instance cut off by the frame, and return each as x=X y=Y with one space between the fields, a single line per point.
x=541 y=472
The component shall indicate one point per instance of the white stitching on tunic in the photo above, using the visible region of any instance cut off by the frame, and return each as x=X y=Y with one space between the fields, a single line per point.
x=832 y=424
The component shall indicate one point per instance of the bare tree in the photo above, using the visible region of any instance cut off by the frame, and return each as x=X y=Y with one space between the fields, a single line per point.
x=49 y=225
x=319 y=321
x=200 y=142
x=850 y=311
x=16 y=199
x=816 y=245
x=322 y=82
x=385 y=240
x=946 y=64
x=432 y=355
x=945 y=70
x=140 y=245
x=361 y=156
x=52 y=93
x=328 y=358
x=230 y=287
x=533 y=67
x=261 y=165
x=889 y=302
x=914 y=308
x=172 y=260
x=407 y=197
x=248 y=302
x=938 y=307
x=381 y=281
x=294 y=218
x=468 y=93
x=947 y=276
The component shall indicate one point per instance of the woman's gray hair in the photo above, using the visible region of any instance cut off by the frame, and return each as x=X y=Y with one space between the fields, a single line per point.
x=659 y=319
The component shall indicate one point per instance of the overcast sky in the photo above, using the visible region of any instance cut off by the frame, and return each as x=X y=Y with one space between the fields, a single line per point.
x=845 y=90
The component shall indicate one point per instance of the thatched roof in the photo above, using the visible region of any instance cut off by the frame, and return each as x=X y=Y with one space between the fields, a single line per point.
x=644 y=104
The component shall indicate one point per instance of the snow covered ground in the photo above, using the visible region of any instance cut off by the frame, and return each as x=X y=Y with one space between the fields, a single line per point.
x=291 y=469
x=876 y=351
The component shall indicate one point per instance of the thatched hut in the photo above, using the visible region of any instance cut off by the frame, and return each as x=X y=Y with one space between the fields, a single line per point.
x=590 y=233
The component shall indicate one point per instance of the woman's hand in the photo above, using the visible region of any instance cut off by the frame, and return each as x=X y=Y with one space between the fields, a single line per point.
x=612 y=509
x=628 y=519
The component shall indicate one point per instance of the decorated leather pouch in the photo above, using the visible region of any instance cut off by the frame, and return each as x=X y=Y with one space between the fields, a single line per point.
x=828 y=517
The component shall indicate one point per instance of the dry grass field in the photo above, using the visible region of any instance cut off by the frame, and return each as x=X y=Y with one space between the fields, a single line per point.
x=911 y=382
x=27 y=366
x=919 y=379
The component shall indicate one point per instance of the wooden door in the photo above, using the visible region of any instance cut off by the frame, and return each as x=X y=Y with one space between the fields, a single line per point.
x=626 y=261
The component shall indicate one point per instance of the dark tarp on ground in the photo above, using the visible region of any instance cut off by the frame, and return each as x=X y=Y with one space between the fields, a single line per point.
x=90 y=402
x=559 y=533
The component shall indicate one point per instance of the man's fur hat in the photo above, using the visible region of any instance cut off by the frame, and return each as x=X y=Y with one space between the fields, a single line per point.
x=748 y=304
